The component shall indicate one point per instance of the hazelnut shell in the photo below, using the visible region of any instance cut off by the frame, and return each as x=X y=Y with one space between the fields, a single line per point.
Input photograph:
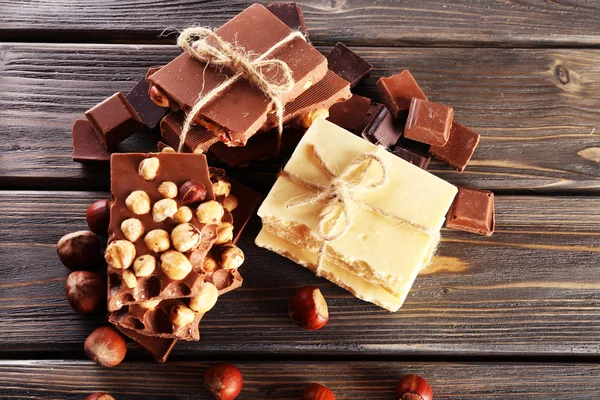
x=414 y=385
x=86 y=291
x=308 y=308
x=192 y=192
x=98 y=217
x=223 y=381
x=105 y=346
x=80 y=250
x=316 y=391
x=100 y=396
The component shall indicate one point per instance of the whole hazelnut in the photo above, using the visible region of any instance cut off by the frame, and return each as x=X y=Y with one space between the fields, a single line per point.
x=182 y=316
x=129 y=278
x=144 y=265
x=100 y=396
x=132 y=229
x=221 y=187
x=223 y=381
x=192 y=192
x=98 y=217
x=232 y=257
x=157 y=240
x=175 y=265
x=206 y=299
x=148 y=168
x=185 y=237
x=150 y=304
x=410 y=386
x=164 y=209
x=224 y=233
x=230 y=203
x=308 y=308
x=86 y=291
x=316 y=391
x=120 y=254
x=138 y=202
x=209 y=264
x=184 y=214
x=210 y=212
x=168 y=190
x=158 y=97
x=80 y=250
x=105 y=347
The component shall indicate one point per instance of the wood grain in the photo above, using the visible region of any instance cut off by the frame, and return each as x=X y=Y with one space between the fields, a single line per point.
x=358 y=22
x=538 y=111
x=285 y=381
x=530 y=290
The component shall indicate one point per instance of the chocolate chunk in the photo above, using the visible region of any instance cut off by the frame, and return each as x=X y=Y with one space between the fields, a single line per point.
x=198 y=139
x=351 y=113
x=114 y=120
x=348 y=64
x=291 y=15
x=459 y=149
x=413 y=157
x=86 y=146
x=149 y=113
x=472 y=211
x=429 y=122
x=161 y=146
x=248 y=201
x=383 y=130
x=159 y=348
x=397 y=92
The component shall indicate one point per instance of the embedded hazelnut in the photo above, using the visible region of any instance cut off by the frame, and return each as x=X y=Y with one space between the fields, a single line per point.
x=157 y=240
x=192 y=192
x=144 y=265
x=100 y=396
x=223 y=381
x=209 y=264
x=168 y=149
x=150 y=304
x=183 y=214
x=175 y=265
x=230 y=203
x=86 y=291
x=164 y=209
x=79 y=250
x=308 y=308
x=412 y=385
x=149 y=168
x=309 y=118
x=98 y=217
x=206 y=299
x=129 y=279
x=105 y=347
x=158 y=97
x=182 y=316
x=168 y=190
x=185 y=237
x=232 y=257
x=138 y=202
x=132 y=229
x=316 y=391
x=210 y=212
x=120 y=254
x=221 y=187
x=224 y=233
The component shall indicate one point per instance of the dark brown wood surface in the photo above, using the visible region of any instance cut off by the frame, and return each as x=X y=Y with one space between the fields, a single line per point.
x=537 y=109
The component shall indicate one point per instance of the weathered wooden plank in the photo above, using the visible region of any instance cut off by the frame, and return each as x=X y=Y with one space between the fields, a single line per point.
x=286 y=381
x=538 y=110
x=530 y=290
x=359 y=22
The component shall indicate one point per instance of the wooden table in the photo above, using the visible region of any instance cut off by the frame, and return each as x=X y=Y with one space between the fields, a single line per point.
x=515 y=316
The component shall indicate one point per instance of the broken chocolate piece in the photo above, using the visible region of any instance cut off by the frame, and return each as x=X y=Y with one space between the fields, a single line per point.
x=413 y=157
x=198 y=139
x=248 y=201
x=114 y=120
x=383 y=130
x=429 y=122
x=472 y=211
x=397 y=92
x=459 y=149
x=159 y=348
x=351 y=113
x=348 y=64
x=149 y=113
x=291 y=15
x=86 y=146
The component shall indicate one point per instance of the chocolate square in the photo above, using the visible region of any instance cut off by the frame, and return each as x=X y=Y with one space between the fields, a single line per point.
x=86 y=146
x=429 y=122
x=348 y=64
x=351 y=113
x=114 y=120
x=383 y=130
x=397 y=92
x=149 y=113
x=460 y=147
x=412 y=156
x=472 y=211
x=291 y=15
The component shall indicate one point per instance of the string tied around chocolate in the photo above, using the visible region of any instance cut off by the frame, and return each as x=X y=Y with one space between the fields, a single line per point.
x=206 y=46
x=342 y=206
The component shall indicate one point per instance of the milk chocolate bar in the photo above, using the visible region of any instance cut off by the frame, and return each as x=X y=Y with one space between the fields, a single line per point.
x=86 y=145
x=472 y=211
x=291 y=15
x=428 y=122
x=397 y=92
x=348 y=64
x=459 y=148
x=138 y=97
x=114 y=120
x=241 y=109
x=351 y=113
x=198 y=139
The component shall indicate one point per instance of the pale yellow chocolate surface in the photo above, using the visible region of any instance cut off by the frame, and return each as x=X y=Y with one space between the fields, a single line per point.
x=356 y=285
x=380 y=250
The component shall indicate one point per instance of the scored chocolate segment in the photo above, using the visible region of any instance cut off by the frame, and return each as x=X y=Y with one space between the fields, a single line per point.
x=86 y=145
x=460 y=147
x=198 y=139
x=472 y=211
x=348 y=64
x=290 y=14
x=397 y=92
x=351 y=113
x=114 y=120
x=429 y=122
x=138 y=97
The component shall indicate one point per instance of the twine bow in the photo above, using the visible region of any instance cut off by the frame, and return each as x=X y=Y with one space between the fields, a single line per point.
x=206 y=46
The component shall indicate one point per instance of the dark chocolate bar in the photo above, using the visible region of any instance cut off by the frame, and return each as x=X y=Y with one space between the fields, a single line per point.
x=383 y=130
x=291 y=15
x=413 y=157
x=459 y=148
x=348 y=64
x=397 y=92
x=86 y=145
x=138 y=97
x=472 y=211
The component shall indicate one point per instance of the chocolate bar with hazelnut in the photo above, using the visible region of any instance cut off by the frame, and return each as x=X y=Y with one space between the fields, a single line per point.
x=240 y=110
x=149 y=112
x=198 y=139
x=159 y=348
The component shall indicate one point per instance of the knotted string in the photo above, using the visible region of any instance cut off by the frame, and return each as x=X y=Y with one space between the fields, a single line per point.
x=206 y=46
x=342 y=208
